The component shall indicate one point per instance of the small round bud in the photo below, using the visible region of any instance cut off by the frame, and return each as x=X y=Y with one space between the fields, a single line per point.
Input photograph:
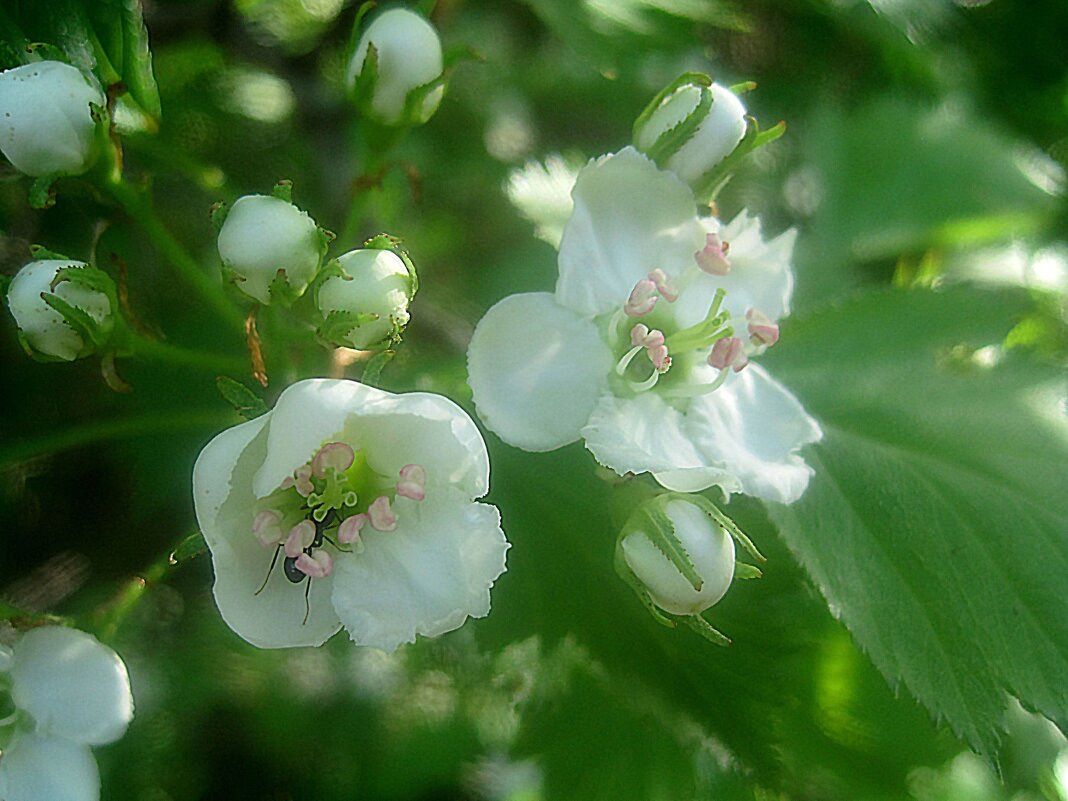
x=271 y=248
x=716 y=135
x=46 y=123
x=372 y=291
x=408 y=58
x=45 y=330
x=709 y=547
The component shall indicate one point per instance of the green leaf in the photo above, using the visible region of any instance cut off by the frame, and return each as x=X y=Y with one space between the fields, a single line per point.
x=935 y=524
x=120 y=27
x=245 y=402
x=190 y=548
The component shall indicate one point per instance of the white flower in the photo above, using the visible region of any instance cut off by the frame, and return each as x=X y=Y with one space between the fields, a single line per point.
x=71 y=692
x=349 y=506
x=369 y=296
x=408 y=58
x=44 y=330
x=542 y=194
x=46 y=123
x=272 y=248
x=623 y=354
x=709 y=547
x=717 y=134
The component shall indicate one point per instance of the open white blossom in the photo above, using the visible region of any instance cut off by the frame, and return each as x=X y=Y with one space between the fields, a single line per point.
x=71 y=692
x=642 y=350
x=46 y=119
x=349 y=506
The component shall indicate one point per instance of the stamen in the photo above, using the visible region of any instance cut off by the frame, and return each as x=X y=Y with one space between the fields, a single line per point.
x=266 y=529
x=728 y=352
x=647 y=384
x=332 y=456
x=412 y=482
x=642 y=298
x=638 y=334
x=712 y=258
x=663 y=285
x=317 y=564
x=348 y=533
x=628 y=357
x=659 y=357
x=381 y=516
x=762 y=331
x=301 y=479
x=300 y=537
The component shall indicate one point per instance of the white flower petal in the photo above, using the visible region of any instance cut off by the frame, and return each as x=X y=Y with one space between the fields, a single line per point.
x=222 y=494
x=542 y=194
x=760 y=275
x=36 y=768
x=73 y=686
x=629 y=218
x=536 y=370
x=396 y=430
x=426 y=577
x=754 y=427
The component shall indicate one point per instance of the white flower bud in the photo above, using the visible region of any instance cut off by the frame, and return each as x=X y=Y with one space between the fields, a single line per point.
x=375 y=284
x=716 y=136
x=267 y=243
x=709 y=547
x=44 y=329
x=46 y=124
x=408 y=57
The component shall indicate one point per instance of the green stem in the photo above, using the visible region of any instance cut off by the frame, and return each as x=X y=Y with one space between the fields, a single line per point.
x=186 y=357
x=210 y=289
x=376 y=143
x=106 y=430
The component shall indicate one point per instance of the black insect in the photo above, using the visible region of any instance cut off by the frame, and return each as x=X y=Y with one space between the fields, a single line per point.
x=289 y=564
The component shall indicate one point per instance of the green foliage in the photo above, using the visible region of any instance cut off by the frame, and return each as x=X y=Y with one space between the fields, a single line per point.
x=934 y=524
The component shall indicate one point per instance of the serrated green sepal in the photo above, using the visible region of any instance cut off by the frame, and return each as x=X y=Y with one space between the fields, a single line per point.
x=705 y=629
x=671 y=140
x=188 y=549
x=715 y=179
x=696 y=79
x=743 y=88
x=413 y=102
x=37 y=356
x=42 y=193
x=338 y=325
x=280 y=291
x=624 y=572
x=651 y=520
x=363 y=88
x=744 y=570
x=88 y=277
x=713 y=511
x=93 y=335
x=245 y=402
x=283 y=190
x=395 y=244
x=41 y=253
x=372 y=371
x=218 y=214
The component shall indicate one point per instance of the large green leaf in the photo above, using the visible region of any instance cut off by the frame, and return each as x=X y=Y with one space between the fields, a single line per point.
x=937 y=522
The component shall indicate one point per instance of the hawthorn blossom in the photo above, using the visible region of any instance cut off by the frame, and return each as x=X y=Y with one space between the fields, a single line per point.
x=349 y=506
x=70 y=692
x=644 y=349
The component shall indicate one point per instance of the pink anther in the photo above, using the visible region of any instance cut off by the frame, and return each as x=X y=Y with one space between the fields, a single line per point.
x=348 y=533
x=762 y=331
x=663 y=285
x=412 y=482
x=300 y=537
x=381 y=516
x=301 y=479
x=266 y=527
x=642 y=299
x=658 y=355
x=638 y=334
x=317 y=564
x=728 y=352
x=332 y=456
x=712 y=258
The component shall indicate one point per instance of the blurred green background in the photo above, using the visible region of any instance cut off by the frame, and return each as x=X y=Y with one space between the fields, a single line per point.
x=926 y=148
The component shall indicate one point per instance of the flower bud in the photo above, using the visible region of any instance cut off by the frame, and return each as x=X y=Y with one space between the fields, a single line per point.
x=77 y=320
x=400 y=83
x=706 y=544
x=271 y=249
x=46 y=123
x=365 y=302
x=717 y=130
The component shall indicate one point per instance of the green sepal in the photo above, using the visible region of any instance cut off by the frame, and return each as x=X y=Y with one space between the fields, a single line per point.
x=426 y=7
x=357 y=22
x=45 y=51
x=5 y=282
x=709 y=185
x=713 y=511
x=92 y=278
x=41 y=253
x=283 y=190
x=28 y=349
x=386 y=241
x=413 y=102
x=372 y=371
x=218 y=213
x=743 y=88
x=326 y=238
x=188 y=549
x=245 y=402
x=456 y=55
x=92 y=334
x=671 y=140
x=337 y=325
x=697 y=79
x=362 y=91
x=624 y=572
x=280 y=291
x=651 y=520
x=42 y=193
x=744 y=570
x=705 y=629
